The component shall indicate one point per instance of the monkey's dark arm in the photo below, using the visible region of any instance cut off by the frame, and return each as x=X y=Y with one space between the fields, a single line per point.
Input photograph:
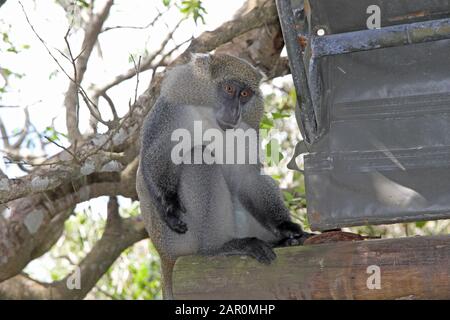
x=159 y=173
x=162 y=190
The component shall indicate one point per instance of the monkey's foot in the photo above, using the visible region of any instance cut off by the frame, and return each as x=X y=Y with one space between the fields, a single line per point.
x=261 y=251
x=253 y=247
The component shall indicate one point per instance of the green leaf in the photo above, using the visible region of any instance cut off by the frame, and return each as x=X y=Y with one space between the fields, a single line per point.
x=6 y=72
x=266 y=123
x=53 y=74
x=83 y=3
x=293 y=95
x=288 y=196
x=276 y=177
x=279 y=115
x=12 y=49
x=166 y=2
x=53 y=135
x=421 y=224
x=5 y=37
x=271 y=158
x=30 y=144
x=193 y=8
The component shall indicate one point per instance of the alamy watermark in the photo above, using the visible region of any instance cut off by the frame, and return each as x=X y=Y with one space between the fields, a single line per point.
x=74 y=280
x=232 y=146
x=374 y=20
x=374 y=280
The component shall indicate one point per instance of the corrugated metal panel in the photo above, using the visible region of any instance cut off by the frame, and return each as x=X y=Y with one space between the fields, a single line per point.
x=379 y=150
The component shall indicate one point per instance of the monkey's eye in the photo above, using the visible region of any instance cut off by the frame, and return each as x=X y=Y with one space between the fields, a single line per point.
x=229 y=89
x=247 y=93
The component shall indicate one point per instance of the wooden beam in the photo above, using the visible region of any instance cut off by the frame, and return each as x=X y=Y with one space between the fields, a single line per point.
x=410 y=268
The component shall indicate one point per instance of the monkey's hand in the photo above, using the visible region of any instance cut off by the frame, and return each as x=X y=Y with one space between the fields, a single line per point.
x=291 y=234
x=253 y=247
x=173 y=206
x=289 y=229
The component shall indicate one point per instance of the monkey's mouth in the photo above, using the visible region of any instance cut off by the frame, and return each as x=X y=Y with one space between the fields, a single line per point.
x=224 y=125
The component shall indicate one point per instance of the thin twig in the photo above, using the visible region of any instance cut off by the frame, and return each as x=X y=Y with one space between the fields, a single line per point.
x=24 y=132
x=20 y=163
x=111 y=105
x=44 y=43
x=162 y=61
x=146 y=64
x=4 y=134
x=62 y=147
x=3 y=106
x=94 y=112
x=137 y=68
x=150 y=24
x=164 y=42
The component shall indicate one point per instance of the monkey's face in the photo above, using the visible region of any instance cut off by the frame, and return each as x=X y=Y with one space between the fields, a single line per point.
x=233 y=96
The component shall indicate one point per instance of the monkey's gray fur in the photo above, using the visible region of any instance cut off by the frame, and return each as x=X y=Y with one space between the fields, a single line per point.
x=208 y=208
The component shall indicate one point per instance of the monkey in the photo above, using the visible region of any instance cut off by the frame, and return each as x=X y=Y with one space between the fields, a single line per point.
x=208 y=208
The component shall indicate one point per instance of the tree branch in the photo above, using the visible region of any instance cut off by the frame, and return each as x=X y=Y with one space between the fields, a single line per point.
x=28 y=232
x=119 y=234
x=93 y=29
x=146 y=64
x=256 y=18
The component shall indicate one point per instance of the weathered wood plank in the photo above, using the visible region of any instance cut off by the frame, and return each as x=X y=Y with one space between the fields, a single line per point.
x=410 y=268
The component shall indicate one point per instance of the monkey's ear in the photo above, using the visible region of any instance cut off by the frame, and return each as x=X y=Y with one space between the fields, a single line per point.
x=262 y=76
x=201 y=61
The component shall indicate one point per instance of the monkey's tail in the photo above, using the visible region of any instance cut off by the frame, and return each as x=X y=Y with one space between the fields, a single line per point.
x=166 y=275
